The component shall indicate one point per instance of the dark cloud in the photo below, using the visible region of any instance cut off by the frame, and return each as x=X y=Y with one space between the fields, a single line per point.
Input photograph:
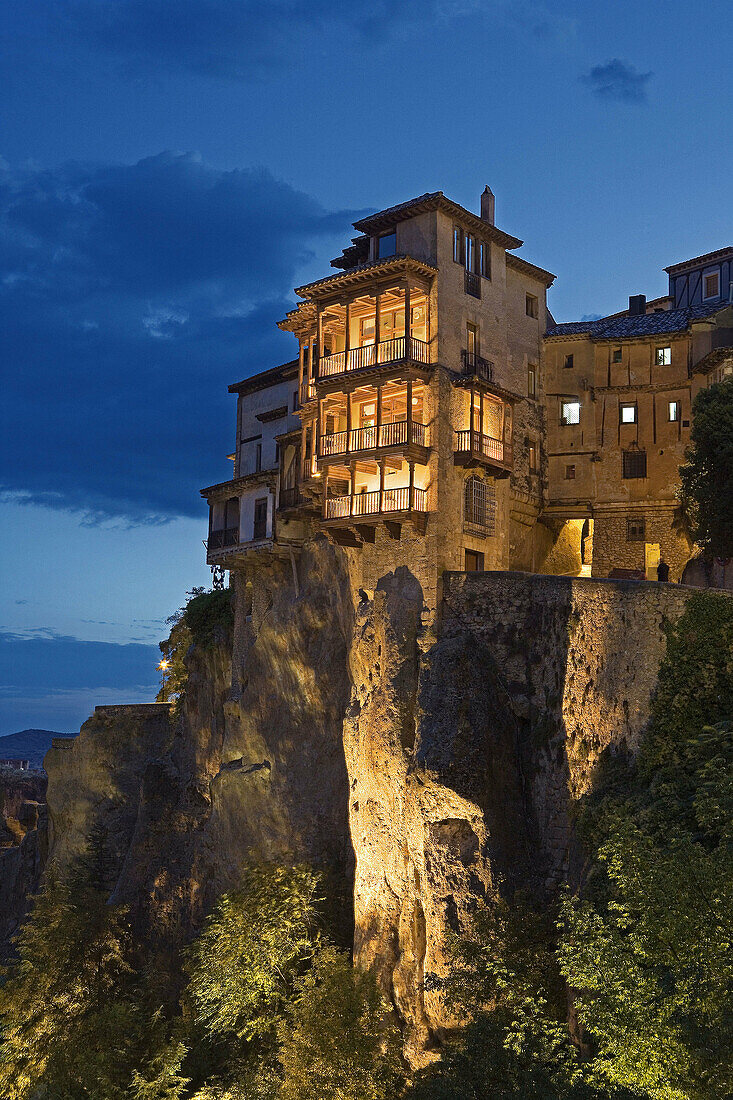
x=235 y=38
x=56 y=662
x=618 y=80
x=130 y=296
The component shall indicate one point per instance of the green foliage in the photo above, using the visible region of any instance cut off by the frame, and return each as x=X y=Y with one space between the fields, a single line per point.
x=206 y=619
x=706 y=493
x=243 y=965
x=651 y=942
x=70 y=1015
x=161 y=1078
x=336 y=1041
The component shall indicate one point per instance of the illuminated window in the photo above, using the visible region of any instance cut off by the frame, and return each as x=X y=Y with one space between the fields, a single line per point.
x=627 y=413
x=531 y=305
x=635 y=530
x=568 y=361
x=663 y=357
x=673 y=411
x=712 y=285
x=532 y=380
x=533 y=463
x=387 y=244
x=570 y=413
x=570 y=473
x=470 y=252
x=634 y=464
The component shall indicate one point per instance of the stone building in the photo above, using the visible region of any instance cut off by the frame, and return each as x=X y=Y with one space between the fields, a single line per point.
x=419 y=415
x=618 y=395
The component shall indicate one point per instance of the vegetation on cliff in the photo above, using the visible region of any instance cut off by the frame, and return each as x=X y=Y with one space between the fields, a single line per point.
x=706 y=494
x=205 y=620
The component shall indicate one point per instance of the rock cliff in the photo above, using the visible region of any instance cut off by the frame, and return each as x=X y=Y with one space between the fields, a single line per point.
x=420 y=763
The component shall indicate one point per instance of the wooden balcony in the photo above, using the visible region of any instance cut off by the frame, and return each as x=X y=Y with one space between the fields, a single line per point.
x=376 y=438
x=473 y=447
x=355 y=516
x=396 y=350
x=220 y=540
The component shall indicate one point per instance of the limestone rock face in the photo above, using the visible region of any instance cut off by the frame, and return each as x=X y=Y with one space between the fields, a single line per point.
x=422 y=763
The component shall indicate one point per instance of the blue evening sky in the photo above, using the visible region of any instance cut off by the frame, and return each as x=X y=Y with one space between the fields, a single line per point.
x=170 y=169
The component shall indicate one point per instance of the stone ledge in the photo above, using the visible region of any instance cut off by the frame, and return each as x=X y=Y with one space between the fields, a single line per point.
x=132 y=708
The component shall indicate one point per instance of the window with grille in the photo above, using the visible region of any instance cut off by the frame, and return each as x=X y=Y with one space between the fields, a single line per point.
x=635 y=530
x=712 y=285
x=570 y=412
x=634 y=464
x=480 y=506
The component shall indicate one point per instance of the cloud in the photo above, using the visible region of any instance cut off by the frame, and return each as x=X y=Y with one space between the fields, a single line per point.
x=49 y=662
x=239 y=39
x=130 y=296
x=618 y=80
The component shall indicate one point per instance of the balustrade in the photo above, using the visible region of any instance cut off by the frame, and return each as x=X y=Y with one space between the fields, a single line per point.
x=386 y=351
x=367 y=504
x=371 y=437
x=495 y=449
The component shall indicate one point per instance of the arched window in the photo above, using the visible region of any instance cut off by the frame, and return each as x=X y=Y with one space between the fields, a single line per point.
x=479 y=505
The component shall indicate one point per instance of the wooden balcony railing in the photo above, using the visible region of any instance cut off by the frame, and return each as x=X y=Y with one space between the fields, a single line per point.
x=368 y=504
x=486 y=445
x=475 y=364
x=217 y=540
x=370 y=355
x=372 y=437
x=307 y=392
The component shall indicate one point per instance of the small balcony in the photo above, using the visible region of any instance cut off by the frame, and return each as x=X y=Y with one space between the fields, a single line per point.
x=291 y=497
x=474 y=446
x=373 y=438
x=395 y=350
x=220 y=540
x=386 y=502
x=472 y=284
x=473 y=364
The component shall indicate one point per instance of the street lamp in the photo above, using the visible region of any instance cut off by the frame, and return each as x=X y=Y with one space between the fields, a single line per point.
x=163 y=670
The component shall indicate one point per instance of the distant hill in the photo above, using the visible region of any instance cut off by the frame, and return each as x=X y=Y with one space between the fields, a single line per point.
x=27 y=745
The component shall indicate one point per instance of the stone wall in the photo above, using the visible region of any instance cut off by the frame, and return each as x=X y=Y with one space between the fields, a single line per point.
x=613 y=550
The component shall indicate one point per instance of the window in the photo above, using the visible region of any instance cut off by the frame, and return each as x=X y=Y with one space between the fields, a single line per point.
x=570 y=473
x=532 y=380
x=617 y=356
x=387 y=244
x=568 y=361
x=663 y=357
x=258 y=458
x=479 y=506
x=260 y=524
x=627 y=412
x=636 y=530
x=712 y=285
x=474 y=561
x=673 y=411
x=231 y=519
x=570 y=412
x=458 y=244
x=485 y=259
x=531 y=305
x=470 y=252
x=533 y=463
x=296 y=405
x=472 y=342
x=634 y=463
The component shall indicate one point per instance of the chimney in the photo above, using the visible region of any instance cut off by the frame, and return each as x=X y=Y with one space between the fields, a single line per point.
x=637 y=305
x=487 y=205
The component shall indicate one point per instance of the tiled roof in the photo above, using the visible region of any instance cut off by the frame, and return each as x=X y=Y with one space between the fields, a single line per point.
x=433 y=200
x=646 y=324
x=706 y=258
x=719 y=355
x=388 y=263
x=265 y=378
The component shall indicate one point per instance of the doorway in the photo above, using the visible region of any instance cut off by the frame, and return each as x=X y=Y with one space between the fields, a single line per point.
x=651 y=560
x=474 y=561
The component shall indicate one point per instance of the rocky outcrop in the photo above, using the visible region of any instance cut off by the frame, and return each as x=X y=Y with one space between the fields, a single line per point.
x=421 y=767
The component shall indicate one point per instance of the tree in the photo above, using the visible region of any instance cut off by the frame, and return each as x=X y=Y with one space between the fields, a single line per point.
x=337 y=1042
x=650 y=942
x=706 y=493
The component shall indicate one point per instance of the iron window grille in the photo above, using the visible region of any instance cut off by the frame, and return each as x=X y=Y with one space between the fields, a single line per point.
x=635 y=530
x=479 y=506
x=634 y=463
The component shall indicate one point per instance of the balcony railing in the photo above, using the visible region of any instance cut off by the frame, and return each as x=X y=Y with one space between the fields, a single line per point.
x=291 y=497
x=370 y=355
x=486 y=445
x=217 y=540
x=473 y=284
x=368 y=504
x=475 y=364
x=372 y=437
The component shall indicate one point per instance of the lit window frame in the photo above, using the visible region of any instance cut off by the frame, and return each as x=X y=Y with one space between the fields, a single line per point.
x=677 y=407
x=567 y=419
x=663 y=356
x=628 y=407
